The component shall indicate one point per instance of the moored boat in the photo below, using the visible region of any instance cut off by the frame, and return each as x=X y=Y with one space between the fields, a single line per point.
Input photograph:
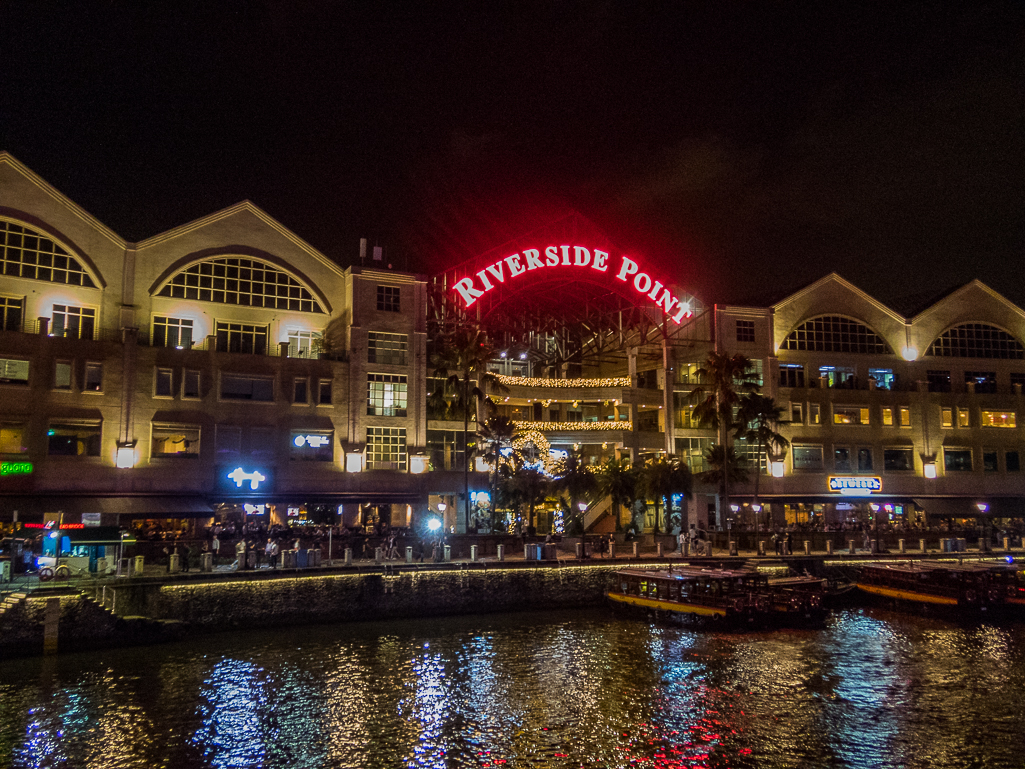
x=720 y=596
x=961 y=591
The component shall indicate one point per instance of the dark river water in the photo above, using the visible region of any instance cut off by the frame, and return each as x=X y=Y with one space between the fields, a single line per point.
x=554 y=690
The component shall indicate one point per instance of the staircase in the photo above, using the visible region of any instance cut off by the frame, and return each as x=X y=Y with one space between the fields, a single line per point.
x=596 y=512
x=11 y=601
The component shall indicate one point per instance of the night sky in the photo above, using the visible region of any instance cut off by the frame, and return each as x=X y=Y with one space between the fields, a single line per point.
x=747 y=148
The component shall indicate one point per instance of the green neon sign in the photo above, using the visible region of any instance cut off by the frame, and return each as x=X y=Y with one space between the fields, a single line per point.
x=15 y=468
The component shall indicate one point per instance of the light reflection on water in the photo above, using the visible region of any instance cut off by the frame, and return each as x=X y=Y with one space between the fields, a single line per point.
x=531 y=690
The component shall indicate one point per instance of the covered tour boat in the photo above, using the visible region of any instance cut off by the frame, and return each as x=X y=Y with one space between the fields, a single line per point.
x=958 y=590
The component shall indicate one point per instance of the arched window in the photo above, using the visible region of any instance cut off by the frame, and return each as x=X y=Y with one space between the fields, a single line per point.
x=976 y=340
x=833 y=333
x=246 y=282
x=26 y=253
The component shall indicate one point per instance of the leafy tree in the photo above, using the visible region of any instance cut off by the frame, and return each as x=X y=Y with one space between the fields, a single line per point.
x=758 y=418
x=619 y=480
x=461 y=360
x=725 y=379
x=528 y=487
x=664 y=478
x=576 y=480
x=494 y=441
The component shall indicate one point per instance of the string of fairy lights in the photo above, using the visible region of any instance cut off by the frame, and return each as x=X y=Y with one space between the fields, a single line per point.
x=615 y=381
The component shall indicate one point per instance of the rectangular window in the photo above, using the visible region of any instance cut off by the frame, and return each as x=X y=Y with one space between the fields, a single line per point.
x=887 y=417
x=445 y=449
x=172 y=440
x=984 y=381
x=745 y=330
x=324 y=392
x=883 y=377
x=864 y=460
x=1017 y=378
x=905 y=416
x=898 y=460
x=12 y=438
x=939 y=381
x=850 y=415
x=74 y=440
x=242 y=338
x=957 y=460
x=386 y=395
x=998 y=419
x=946 y=417
x=236 y=387
x=300 y=390
x=842 y=459
x=13 y=371
x=164 y=387
x=62 y=375
x=797 y=413
x=807 y=457
x=388 y=298
x=228 y=441
x=172 y=332
x=311 y=446
x=837 y=376
x=814 y=414
x=1012 y=461
x=386 y=448
x=11 y=313
x=791 y=375
x=94 y=377
x=962 y=418
x=303 y=344
x=390 y=349
x=190 y=384
x=989 y=460
x=73 y=322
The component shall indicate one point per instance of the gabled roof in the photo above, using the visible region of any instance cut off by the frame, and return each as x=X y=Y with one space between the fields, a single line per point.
x=953 y=294
x=834 y=277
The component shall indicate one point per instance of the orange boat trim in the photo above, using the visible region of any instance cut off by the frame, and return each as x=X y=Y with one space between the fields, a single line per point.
x=683 y=608
x=907 y=595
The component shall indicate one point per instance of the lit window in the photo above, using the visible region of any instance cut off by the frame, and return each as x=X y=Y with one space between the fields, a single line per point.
x=887 y=417
x=172 y=332
x=807 y=457
x=164 y=387
x=303 y=344
x=171 y=440
x=390 y=349
x=832 y=333
x=962 y=418
x=388 y=298
x=386 y=448
x=957 y=460
x=237 y=387
x=745 y=330
x=300 y=390
x=837 y=376
x=998 y=419
x=946 y=417
x=26 y=253
x=883 y=377
x=241 y=337
x=13 y=371
x=850 y=415
x=11 y=313
x=386 y=395
x=12 y=438
x=190 y=384
x=791 y=375
x=324 y=392
x=905 y=417
x=977 y=340
x=245 y=282
x=74 y=440
x=73 y=322
x=814 y=414
x=62 y=375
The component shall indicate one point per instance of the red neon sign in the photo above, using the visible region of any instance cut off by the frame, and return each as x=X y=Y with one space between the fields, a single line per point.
x=50 y=526
x=578 y=257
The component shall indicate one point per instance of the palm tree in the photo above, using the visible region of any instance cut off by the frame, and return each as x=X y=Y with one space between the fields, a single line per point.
x=529 y=487
x=617 y=479
x=494 y=443
x=664 y=478
x=578 y=482
x=461 y=360
x=725 y=379
x=724 y=467
x=757 y=420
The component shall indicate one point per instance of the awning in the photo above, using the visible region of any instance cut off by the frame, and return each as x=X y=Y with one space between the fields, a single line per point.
x=968 y=507
x=128 y=506
x=95 y=535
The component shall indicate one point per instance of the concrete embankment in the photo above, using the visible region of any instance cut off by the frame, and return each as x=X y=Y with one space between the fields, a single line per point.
x=150 y=610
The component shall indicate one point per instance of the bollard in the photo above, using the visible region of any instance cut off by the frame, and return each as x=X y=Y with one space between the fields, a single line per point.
x=528 y=552
x=807 y=547
x=409 y=555
x=983 y=545
x=850 y=546
x=900 y=546
x=378 y=555
x=637 y=550
x=686 y=549
x=873 y=545
x=174 y=563
x=139 y=565
x=612 y=549
x=501 y=552
x=921 y=545
x=829 y=547
x=348 y=556
x=51 y=625
x=206 y=562
x=962 y=545
x=733 y=547
x=251 y=559
x=1007 y=544
x=448 y=553
x=659 y=549
x=473 y=553
x=580 y=550
x=761 y=547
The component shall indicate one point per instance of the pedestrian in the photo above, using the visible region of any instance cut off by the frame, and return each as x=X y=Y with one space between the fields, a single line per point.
x=790 y=543
x=186 y=552
x=268 y=550
x=215 y=547
x=240 y=555
x=681 y=539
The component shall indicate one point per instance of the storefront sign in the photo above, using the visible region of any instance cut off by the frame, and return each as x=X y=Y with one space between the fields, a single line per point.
x=313 y=441
x=254 y=478
x=15 y=468
x=855 y=484
x=577 y=257
x=91 y=519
